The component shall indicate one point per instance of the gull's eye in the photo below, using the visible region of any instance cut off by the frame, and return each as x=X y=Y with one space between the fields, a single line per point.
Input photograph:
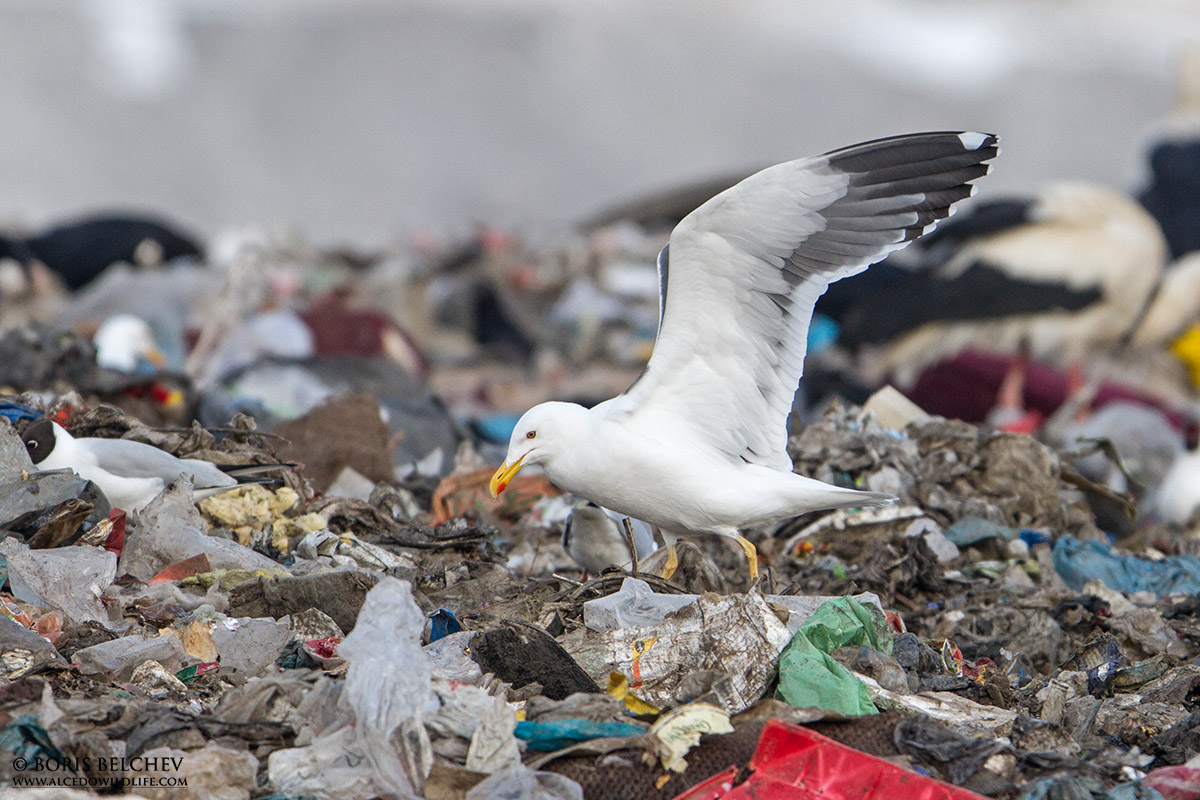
x=32 y=443
x=531 y=435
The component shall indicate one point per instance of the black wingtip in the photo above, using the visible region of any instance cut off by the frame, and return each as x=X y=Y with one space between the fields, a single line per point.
x=957 y=146
x=966 y=140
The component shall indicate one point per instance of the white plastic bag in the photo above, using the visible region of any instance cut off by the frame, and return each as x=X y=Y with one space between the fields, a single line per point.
x=388 y=688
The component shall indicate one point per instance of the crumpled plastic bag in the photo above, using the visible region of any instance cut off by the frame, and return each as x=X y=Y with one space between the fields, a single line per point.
x=1175 y=783
x=810 y=677
x=347 y=550
x=738 y=635
x=1077 y=788
x=388 y=688
x=848 y=622
x=794 y=762
x=1078 y=562
x=635 y=604
x=170 y=529
x=69 y=579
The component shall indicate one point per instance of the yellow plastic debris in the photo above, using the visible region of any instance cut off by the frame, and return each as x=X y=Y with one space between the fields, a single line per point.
x=248 y=505
x=229 y=578
x=197 y=641
x=618 y=687
x=287 y=529
x=1187 y=349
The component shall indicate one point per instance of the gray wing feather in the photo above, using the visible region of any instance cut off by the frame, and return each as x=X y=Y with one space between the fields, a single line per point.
x=747 y=267
x=137 y=460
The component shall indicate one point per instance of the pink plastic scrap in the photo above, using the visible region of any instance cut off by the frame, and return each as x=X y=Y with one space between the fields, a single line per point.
x=1175 y=783
x=794 y=763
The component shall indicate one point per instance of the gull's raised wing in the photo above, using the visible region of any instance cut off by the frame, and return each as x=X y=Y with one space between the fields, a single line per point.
x=745 y=269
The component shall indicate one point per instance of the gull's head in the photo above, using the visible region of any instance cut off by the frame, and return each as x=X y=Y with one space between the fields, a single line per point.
x=125 y=343
x=541 y=433
x=41 y=437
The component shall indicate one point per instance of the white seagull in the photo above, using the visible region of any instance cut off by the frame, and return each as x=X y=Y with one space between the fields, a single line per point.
x=130 y=474
x=698 y=443
x=125 y=343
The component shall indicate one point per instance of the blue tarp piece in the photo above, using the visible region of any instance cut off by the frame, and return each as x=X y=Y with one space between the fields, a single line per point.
x=1086 y=789
x=442 y=623
x=496 y=428
x=549 y=736
x=969 y=530
x=1079 y=562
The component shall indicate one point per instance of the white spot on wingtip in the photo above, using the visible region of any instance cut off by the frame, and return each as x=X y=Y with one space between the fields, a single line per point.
x=972 y=140
x=974 y=189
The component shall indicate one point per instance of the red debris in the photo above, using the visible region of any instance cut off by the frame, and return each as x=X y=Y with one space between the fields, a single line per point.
x=1175 y=783
x=325 y=648
x=794 y=763
x=183 y=569
x=965 y=387
x=108 y=533
x=339 y=330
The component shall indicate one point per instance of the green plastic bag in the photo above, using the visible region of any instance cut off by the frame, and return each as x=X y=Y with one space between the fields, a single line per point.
x=809 y=677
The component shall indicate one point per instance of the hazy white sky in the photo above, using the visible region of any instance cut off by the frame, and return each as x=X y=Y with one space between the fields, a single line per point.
x=364 y=120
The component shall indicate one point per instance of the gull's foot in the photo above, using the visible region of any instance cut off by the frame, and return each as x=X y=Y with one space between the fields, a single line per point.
x=751 y=557
x=672 y=564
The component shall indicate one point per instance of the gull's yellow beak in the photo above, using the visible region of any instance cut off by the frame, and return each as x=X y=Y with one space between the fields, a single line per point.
x=503 y=476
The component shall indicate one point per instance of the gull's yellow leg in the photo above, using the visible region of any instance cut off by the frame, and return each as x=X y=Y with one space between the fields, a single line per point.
x=751 y=556
x=671 y=564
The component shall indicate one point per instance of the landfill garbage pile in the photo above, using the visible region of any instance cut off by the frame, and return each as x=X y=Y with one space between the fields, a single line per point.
x=315 y=595
x=414 y=637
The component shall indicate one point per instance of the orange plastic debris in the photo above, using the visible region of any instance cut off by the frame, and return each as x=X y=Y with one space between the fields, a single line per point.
x=466 y=493
x=183 y=569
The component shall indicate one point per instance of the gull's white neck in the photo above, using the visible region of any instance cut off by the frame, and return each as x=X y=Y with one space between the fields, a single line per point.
x=615 y=466
x=62 y=455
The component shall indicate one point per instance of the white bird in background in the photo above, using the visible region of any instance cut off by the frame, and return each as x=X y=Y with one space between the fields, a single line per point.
x=595 y=538
x=1178 y=496
x=1175 y=306
x=125 y=343
x=130 y=474
x=698 y=443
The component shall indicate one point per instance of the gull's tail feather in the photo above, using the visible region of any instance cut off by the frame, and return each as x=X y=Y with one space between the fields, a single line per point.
x=849 y=498
x=814 y=495
x=238 y=470
x=213 y=491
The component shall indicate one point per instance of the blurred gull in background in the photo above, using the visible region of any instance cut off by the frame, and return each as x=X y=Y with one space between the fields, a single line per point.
x=142 y=49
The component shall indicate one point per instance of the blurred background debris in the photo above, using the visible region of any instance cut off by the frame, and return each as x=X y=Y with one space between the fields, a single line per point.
x=345 y=245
